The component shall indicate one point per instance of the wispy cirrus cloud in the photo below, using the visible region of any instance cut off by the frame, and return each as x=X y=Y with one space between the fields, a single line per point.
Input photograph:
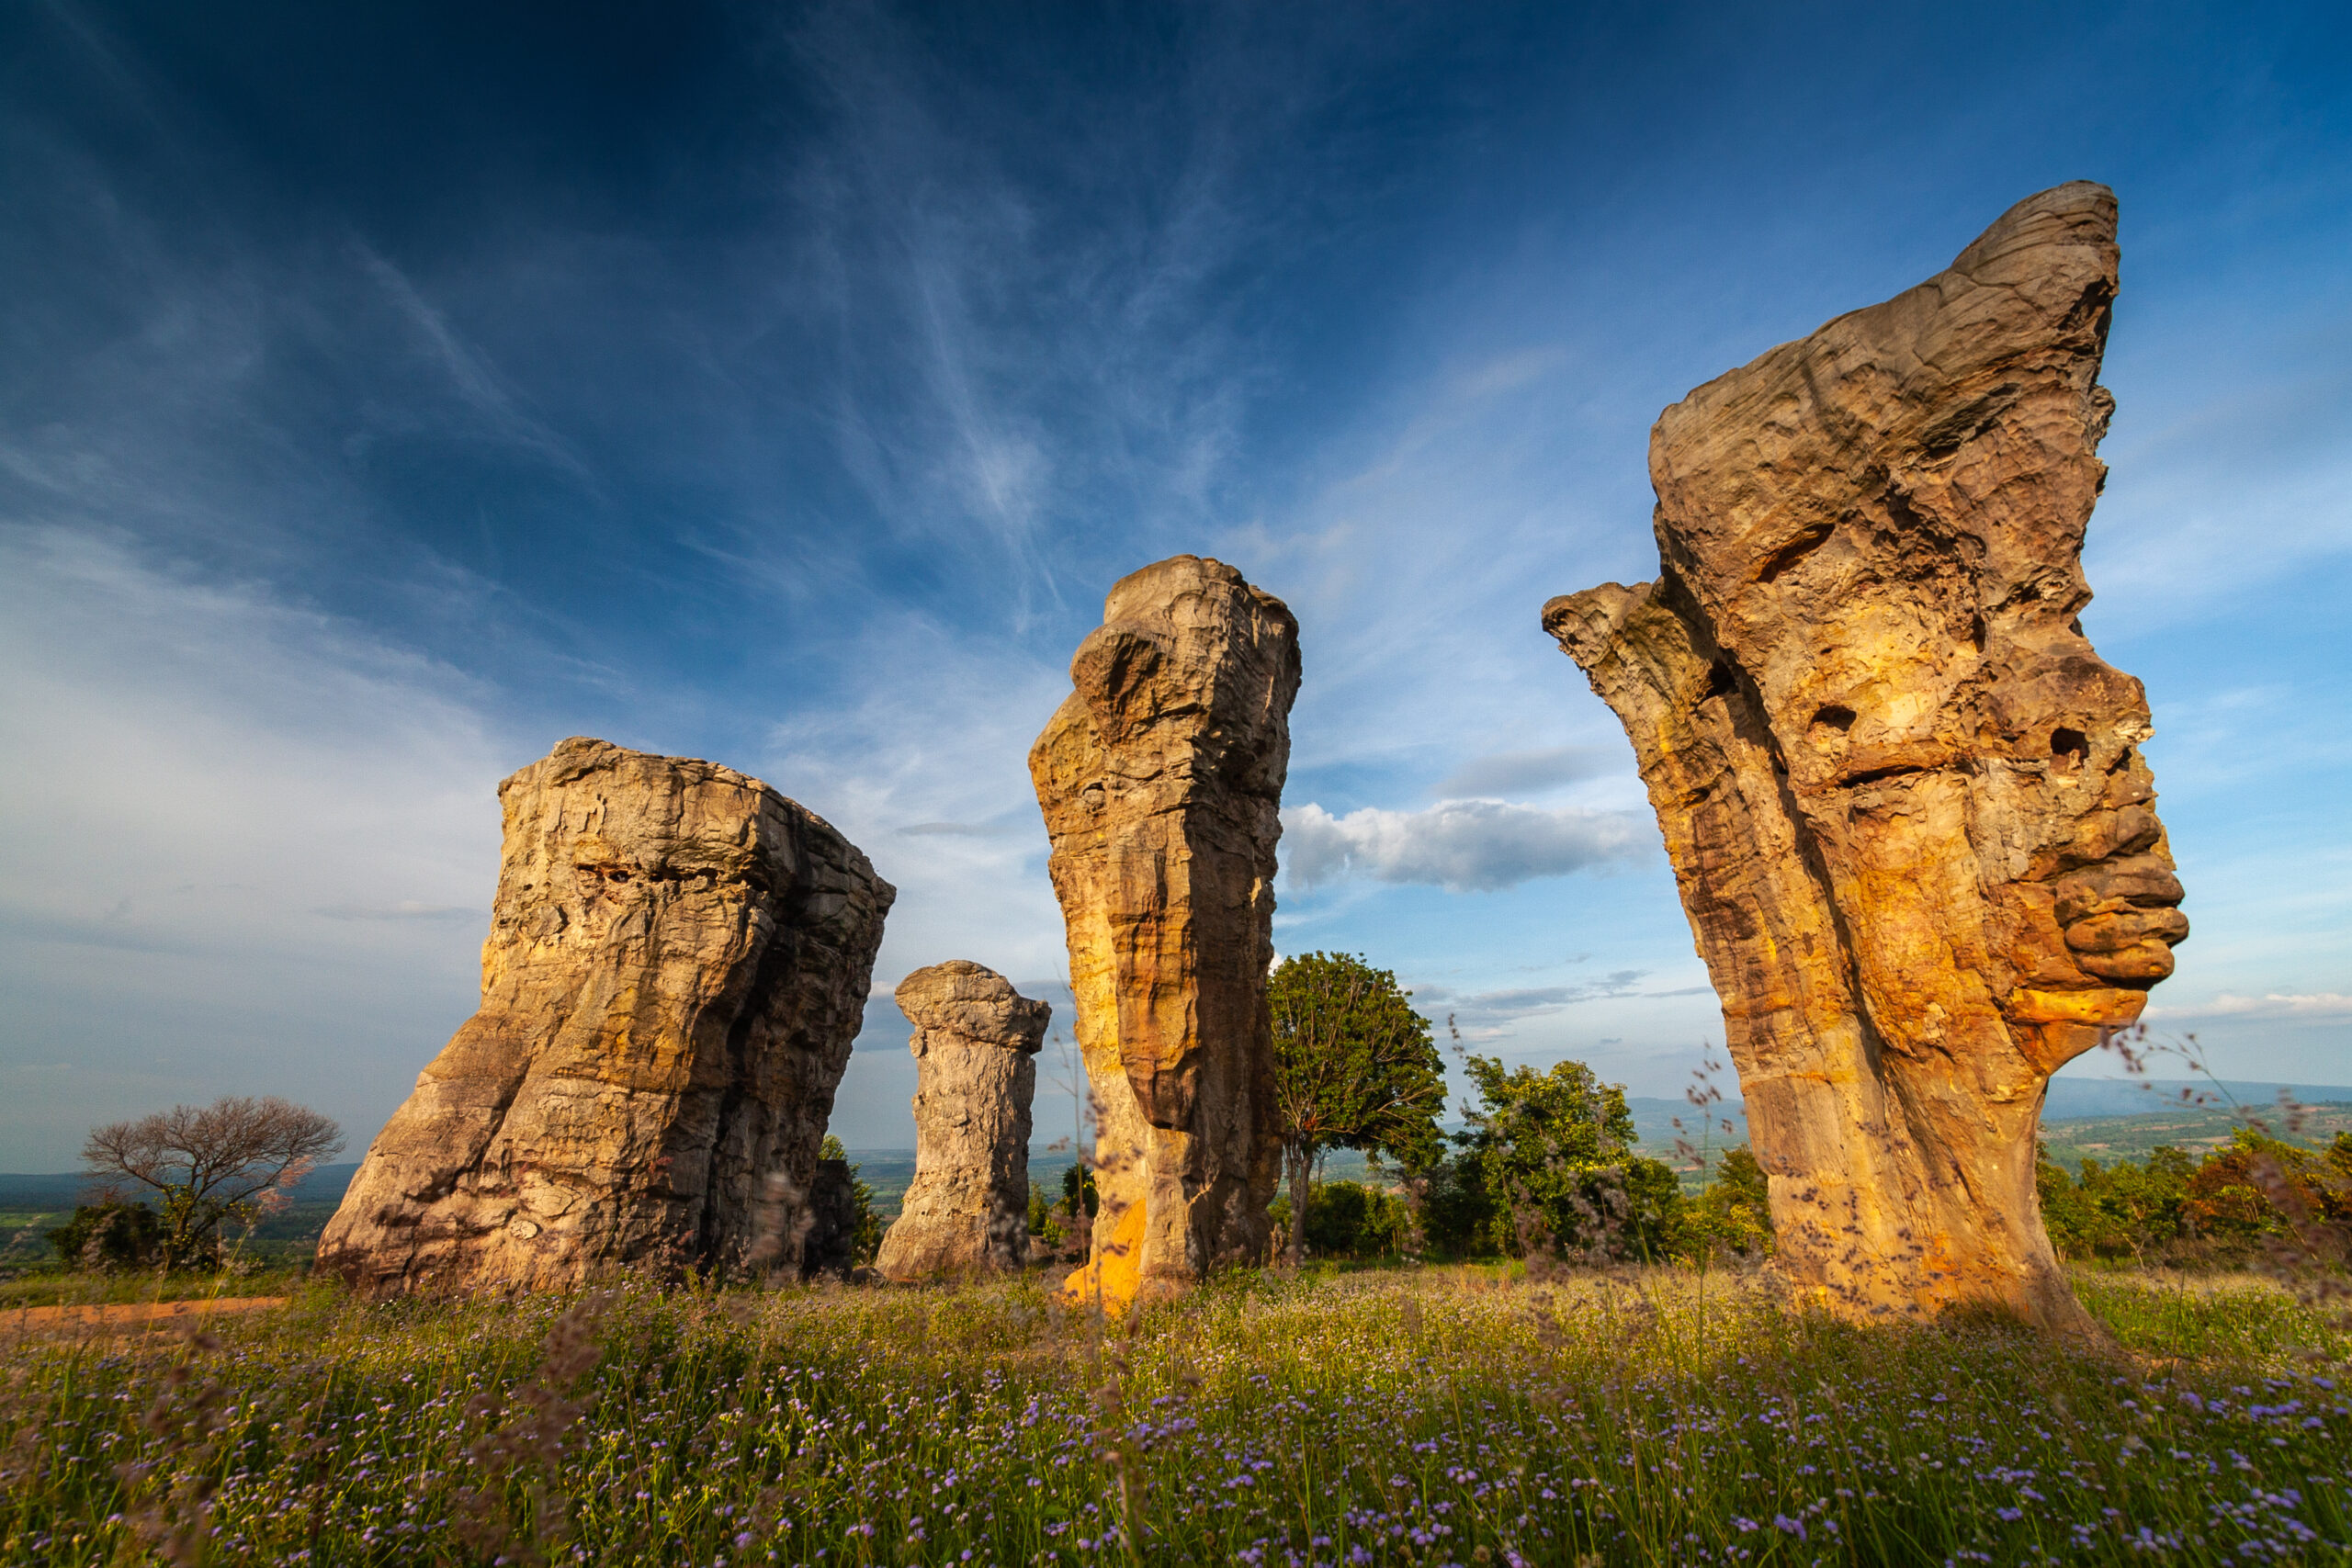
x=1494 y=1014
x=256 y=833
x=2271 y=1005
x=1504 y=774
x=403 y=909
x=958 y=830
x=1501 y=1006
x=1460 y=845
x=503 y=413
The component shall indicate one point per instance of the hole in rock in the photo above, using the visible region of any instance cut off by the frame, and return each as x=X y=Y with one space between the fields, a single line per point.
x=1719 y=681
x=2069 y=748
x=1837 y=715
x=1880 y=776
x=1795 y=551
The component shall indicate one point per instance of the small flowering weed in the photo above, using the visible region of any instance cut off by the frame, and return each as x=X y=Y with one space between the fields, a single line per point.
x=1410 y=1416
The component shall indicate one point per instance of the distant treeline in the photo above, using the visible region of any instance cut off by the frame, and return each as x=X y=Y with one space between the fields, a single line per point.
x=2172 y=1209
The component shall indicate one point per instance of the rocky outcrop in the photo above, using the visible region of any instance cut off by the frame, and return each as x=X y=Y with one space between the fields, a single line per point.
x=1904 y=799
x=975 y=1046
x=678 y=960
x=1160 y=779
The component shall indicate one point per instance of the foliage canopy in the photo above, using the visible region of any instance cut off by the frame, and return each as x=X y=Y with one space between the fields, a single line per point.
x=1354 y=1068
x=1547 y=1164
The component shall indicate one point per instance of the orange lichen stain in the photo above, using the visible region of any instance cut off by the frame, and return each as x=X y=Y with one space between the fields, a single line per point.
x=2098 y=1006
x=1111 y=1279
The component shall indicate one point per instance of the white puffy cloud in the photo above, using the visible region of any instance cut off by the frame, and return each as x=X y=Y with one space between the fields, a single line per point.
x=1460 y=845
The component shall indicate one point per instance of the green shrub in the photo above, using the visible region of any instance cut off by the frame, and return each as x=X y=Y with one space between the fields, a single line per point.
x=1552 y=1153
x=1734 y=1213
x=2213 y=1212
x=108 y=1235
x=1347 y=1219
x=1078 y=1193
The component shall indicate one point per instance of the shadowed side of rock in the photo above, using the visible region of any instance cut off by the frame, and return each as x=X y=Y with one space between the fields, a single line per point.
x=1904 y=797
x=975 y=1046
x=1160 y=779
x=678 y=961
x=829 y=1248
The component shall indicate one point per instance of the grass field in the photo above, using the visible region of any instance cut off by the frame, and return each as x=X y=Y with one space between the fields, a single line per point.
x=1431 y=1416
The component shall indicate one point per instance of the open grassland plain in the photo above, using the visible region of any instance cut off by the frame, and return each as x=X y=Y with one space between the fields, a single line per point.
x=2196 y=1129
x=1403 y=1415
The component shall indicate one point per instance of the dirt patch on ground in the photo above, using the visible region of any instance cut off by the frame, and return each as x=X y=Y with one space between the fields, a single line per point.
x=128 y=1317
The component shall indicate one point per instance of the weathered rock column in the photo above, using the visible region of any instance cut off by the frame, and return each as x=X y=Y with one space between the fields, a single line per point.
x=678 y=960
x=1904 y=798
x=1160 y=779
x=976 y=1046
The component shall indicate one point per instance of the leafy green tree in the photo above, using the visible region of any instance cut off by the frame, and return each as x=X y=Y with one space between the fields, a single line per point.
x=1078 y=1192
x=1553 y=1152
x=235 y=1159
x=1733 y=1213
x=2141 y=1207
x=1354 y=1068
x=2235 y=1192
x=1456 y=1212
x=2171 y=1207
x=2067 y=1214
x=1347 y=1219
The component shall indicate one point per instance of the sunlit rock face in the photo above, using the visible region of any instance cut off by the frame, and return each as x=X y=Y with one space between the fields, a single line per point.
x=1904 y=797
x=678 y=960
x=975 y=1072
x=1160 y=779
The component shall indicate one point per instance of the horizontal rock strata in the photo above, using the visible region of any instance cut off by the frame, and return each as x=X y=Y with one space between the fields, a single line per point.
x=1160 y=779
x=1904 y=797
x=678 y=960
x=975 y=1046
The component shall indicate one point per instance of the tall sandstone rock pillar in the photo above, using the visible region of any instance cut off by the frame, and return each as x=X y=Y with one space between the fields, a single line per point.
x=1904 y=798
x=976 y=1047
x=678 y=960
x=1160 y=778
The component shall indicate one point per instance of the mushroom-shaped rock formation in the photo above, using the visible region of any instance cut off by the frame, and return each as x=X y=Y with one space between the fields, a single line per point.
x=975 y=1046
x=678 y=960
x=1160 y=778
x=1904 y=798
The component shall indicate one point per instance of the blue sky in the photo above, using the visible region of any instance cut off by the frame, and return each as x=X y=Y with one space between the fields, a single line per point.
x=389 y=392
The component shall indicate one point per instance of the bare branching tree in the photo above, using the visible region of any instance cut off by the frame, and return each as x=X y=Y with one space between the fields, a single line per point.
x=233 y=1159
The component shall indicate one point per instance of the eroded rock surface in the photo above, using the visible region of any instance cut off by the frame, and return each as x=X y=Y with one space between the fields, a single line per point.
x=1904 y=798
x=1160 y=779
x=975 y=1046
x=678 y=960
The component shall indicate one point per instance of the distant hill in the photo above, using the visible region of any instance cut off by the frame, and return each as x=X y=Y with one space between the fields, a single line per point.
x=2105 y=1119
x=2150 y=1097
x=20 y=1194
x=2193 y=1130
